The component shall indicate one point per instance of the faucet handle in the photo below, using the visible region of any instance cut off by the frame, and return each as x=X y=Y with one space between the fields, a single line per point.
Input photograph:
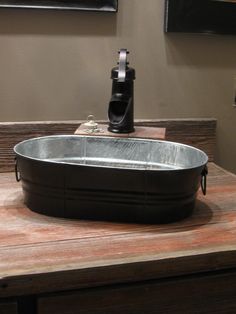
x=122 y=64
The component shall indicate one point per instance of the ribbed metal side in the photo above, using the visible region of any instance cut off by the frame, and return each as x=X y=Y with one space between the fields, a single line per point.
x=64 y=197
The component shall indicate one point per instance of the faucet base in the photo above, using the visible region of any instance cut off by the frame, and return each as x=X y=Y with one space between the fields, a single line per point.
x=113 y=129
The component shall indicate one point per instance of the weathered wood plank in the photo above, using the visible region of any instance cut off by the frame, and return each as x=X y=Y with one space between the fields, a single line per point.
x=12 y=133
x=200 y=133
x=45 y=254
x=8 y=308
x=139 y=132
x=197 y=294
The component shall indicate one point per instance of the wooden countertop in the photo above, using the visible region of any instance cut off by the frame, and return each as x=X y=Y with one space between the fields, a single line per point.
x=42 y=254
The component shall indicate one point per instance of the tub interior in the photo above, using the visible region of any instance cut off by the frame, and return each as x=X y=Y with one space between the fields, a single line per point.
x=112 y=152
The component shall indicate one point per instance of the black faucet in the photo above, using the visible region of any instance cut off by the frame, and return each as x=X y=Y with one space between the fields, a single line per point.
x=121 y=106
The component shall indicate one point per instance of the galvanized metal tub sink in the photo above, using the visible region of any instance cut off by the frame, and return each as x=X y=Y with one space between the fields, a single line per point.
x=106 y=178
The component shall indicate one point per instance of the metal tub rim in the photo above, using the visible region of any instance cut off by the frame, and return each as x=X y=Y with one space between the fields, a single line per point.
x=17 y=151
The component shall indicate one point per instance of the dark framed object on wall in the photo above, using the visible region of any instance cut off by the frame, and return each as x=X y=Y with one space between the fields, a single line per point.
x=200 y=16
x=85 y=5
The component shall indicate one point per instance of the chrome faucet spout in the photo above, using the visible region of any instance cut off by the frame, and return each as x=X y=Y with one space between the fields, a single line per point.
x=122 y=65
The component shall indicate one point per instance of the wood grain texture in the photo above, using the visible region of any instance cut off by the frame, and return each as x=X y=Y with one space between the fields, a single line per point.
x=8 y=308
x=140 y=132
x=42 y=254
x=199 y=294
x=200 y=133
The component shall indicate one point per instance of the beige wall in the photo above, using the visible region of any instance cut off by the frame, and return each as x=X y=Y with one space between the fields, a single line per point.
x=56 y=65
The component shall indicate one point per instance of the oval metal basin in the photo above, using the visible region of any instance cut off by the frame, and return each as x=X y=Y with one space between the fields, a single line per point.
x=106 y=178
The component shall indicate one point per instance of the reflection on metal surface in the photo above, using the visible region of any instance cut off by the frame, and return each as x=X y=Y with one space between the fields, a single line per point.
x=112 y=152
x=84 y=5
x=194 y=16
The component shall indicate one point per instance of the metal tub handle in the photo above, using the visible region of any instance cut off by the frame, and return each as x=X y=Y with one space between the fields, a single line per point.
x=204 y=180
x=17 y=173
